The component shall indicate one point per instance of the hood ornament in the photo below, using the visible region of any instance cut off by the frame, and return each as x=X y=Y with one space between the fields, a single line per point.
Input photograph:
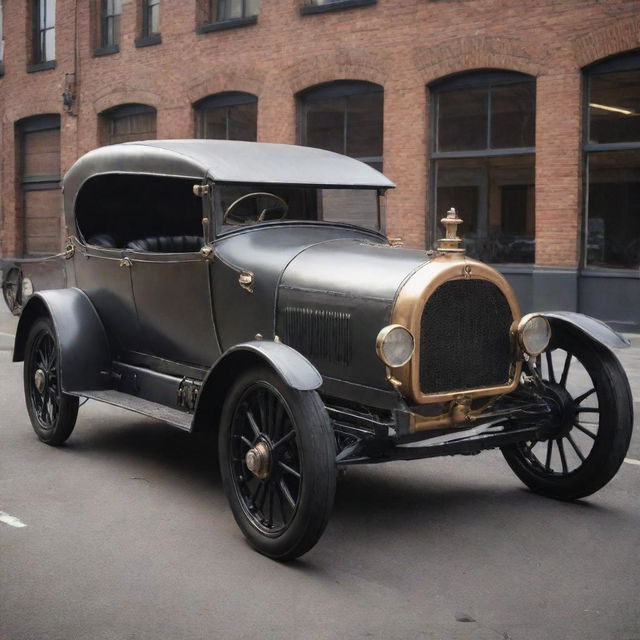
x=451 y=242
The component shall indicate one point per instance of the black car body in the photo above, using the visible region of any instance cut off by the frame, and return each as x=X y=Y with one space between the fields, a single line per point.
x=210 y=286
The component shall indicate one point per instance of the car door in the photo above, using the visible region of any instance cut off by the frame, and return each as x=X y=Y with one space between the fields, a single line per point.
x=102 y=273
x=171 y=292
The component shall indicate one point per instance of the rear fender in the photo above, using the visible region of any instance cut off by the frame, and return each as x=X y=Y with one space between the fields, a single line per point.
x=85 y=355
x=588 y=326
x=294 y=369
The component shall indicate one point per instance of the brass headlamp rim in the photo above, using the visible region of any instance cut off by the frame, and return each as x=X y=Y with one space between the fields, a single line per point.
x=382 y=336
x=520 y=333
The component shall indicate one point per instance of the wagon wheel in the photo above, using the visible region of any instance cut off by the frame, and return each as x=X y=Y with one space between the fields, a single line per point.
x=52 y=412
x=277 y=460
x=593 y=419
x=12 y=290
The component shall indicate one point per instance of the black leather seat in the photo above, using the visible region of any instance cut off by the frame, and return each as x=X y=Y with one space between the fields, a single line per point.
x=168 y=244
x=102 y=240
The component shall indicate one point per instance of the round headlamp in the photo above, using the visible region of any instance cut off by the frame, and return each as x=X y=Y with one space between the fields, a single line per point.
x=394 y=345
x=534 y=333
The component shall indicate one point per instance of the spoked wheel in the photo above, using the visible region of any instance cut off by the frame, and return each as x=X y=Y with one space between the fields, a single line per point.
x=277 y=460
x=12 y=290
x=593 y=419
x=52 y=413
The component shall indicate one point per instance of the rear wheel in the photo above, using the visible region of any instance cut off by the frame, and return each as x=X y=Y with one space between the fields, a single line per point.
x=53 y=413
x=277 y=460
x=593 y=409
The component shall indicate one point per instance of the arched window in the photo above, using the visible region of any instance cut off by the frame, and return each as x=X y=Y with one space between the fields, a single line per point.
x=129 y=122
x=38 y=141
x=483 y=161
x=231 y=115
x=344 y=116
x=612 y=155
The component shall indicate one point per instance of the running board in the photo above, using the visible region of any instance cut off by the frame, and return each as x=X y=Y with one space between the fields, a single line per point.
x=175 y=417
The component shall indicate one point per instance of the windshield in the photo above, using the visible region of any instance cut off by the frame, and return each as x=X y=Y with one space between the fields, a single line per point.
x=245 y=204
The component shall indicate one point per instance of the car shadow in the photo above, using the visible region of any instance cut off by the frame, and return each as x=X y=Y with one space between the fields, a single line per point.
x=421 y=503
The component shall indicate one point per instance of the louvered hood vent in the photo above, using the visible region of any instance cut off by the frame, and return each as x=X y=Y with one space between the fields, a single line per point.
x=318 y=334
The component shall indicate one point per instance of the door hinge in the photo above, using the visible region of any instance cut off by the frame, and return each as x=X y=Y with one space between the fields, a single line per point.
x=201 y=190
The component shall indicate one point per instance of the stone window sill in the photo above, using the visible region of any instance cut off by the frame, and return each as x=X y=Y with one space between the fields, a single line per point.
x=107 y=50
x=148 y=41
x=226 y=24
x=340 y=5
x=41 y=66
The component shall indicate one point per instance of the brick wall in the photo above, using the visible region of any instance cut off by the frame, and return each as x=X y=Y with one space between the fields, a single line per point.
x=402 y=45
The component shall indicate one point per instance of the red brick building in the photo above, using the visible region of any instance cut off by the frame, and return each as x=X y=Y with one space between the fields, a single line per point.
x=523 y=115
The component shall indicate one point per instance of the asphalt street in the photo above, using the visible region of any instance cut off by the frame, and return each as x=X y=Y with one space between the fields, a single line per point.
x=128 y=536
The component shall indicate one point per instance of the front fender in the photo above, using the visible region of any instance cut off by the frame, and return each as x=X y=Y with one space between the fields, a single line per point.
x=294 y=369
x=85 y=355
x=591 y=327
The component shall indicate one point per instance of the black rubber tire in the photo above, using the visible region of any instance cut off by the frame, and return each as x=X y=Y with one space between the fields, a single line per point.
x=314 y=442
x=53 y=425
x=615 y=424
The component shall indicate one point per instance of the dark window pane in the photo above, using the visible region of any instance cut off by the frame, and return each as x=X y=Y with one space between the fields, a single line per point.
x=495 y=199
x=242 y=122
x=364 y=125
x=614 y=107
x=214 y=124
x=513 y=109
x=613 y=215
x=325 y=121
x=462 y=120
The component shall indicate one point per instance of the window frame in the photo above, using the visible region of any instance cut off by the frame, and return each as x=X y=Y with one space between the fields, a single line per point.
x=123 y=111
x=620 y=62
x=339 y=89
x=486 y=79
x=218 y=24
x=105 y=46
x=36 y=182
x=39 y=60
x=224 y=100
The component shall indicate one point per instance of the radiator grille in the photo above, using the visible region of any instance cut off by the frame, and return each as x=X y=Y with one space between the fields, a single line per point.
x=464 y=337
x=318 y=334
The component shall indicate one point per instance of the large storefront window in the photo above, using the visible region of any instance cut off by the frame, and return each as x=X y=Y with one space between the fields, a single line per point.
x=128 y=123
x=483 y=158
x=612 y=150
x=231 y=115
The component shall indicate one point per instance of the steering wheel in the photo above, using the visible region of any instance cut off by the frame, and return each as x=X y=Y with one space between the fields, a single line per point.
x=263 y=213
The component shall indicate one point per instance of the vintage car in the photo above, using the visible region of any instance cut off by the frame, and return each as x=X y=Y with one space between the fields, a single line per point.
x=210 y=286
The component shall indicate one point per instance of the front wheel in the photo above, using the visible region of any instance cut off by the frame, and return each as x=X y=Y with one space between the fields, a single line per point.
x=593 y=421
x=53 y=413
x=277 y=460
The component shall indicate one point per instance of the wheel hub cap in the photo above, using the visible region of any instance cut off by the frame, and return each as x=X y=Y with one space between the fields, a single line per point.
x=562 y=406
x=39 y=379
x=258 y=460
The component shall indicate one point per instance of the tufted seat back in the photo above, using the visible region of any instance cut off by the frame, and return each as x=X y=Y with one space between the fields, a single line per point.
x=168 y=244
